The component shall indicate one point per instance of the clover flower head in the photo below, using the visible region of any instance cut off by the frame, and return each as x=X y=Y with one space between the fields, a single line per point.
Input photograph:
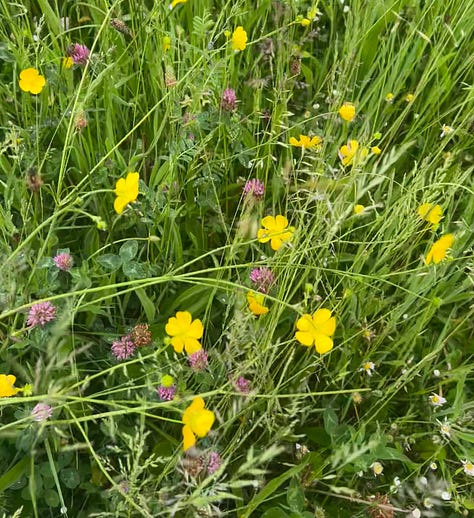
x=242 y=385
x=316 y=330
x=166 y=393
x=7 y=385
x=214 y=462
x=198 y=361
x=197 y=421
x=63 y=261
x=41 y=412
x=254 y=188
x=347 y=112
x=239 y=39
x=262 y=278
x=439 y=249
x=79 y=53
x=276 y=230
x=141 y=335
x=229 y=100
x=31 y=81
x=126 y=190
x=468 y=467
x=184 y=332
x=437 y=400
x=124 y=348
x=40 y=314
x=306 y=142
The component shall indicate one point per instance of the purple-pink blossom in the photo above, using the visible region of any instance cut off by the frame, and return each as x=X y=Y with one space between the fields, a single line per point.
x=214 y=462
x=229 y=100
x=198 y=360
x=41 y=412
x=124 y=348
x=79 y=53
x=63 y=261
x=255 y=188
x=40 y=314
x=166 y=393
x=242 y=385
x=262 y=278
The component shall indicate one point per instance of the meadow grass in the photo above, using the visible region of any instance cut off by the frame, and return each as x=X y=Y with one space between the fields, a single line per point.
x=380 y=425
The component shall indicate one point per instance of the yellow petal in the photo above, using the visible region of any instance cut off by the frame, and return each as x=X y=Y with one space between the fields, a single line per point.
x=294 y=142
x=323 y=343
x=304 y=338
x=304 y=323
x=321 y=315
x=268 y=222
x=262 y=236
x=196 y=329
x=191 y=345
x=184 y=318
x=276 y=243
x=120 y=204
x=178 y=344
x=281 y=222
x=203 y=422
x=189 y=439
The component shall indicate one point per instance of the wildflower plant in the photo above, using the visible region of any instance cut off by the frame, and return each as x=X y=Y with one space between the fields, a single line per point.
x=236 y=258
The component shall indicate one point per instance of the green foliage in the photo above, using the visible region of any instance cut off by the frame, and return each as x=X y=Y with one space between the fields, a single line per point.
x=298 y=434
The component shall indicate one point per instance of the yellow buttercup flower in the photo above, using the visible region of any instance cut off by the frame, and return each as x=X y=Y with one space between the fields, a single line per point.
x=126 y=190
x=358 y=209
x=375 y=150
x=439 y=249
x=389 y=97
x=197 y=421
x=316 y=330
x=304 y=22
x=409 y=98
x=350 y=151
x=347 y=112
x=306 y=142
x=7 y=385
x=276 y=230
x=255 y=302
x=239 y=38
x=174 y=3
x=184 y=332
x=431 y=213
x=31 y=81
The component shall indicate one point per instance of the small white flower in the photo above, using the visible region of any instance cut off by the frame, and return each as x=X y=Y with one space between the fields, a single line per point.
x=468 y=467
x=436 y=373
x=427 y=503
x=377 y=468
x=368 y=368
x=446 y=130
x=423 y=481
x=444 y=428
x=434 y=466
x=446 y=496
x=416 y=513
x=437 y=400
